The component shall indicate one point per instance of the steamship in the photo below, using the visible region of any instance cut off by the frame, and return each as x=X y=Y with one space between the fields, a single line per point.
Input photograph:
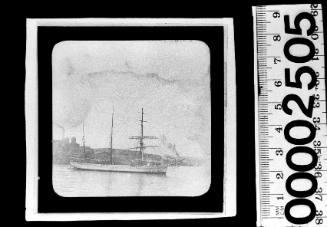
x=140 y=164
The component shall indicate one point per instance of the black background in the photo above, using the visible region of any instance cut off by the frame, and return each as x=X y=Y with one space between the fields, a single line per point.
x=14 y=20
x=50 y=201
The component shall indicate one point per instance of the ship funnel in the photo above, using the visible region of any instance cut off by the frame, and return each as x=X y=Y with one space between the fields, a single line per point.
x=62 y=131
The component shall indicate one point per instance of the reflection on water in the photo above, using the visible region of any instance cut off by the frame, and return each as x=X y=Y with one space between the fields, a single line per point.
x=178 y=181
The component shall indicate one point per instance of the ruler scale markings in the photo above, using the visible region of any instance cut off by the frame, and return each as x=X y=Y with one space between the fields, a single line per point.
x=271 y=193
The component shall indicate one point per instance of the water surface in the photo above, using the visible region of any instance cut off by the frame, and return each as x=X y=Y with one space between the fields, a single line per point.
x=178 y=181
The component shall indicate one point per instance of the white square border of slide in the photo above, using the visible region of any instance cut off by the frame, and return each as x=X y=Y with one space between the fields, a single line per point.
x=31 y=114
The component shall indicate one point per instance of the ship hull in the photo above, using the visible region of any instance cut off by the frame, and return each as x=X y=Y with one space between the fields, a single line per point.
x=120 y=168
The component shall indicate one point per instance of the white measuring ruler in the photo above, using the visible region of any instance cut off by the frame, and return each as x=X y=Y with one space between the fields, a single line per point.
x=291 y=130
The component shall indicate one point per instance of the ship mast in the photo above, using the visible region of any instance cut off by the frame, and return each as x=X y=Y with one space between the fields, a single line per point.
x=111 y=133
x=141 y=138
x=83 y=139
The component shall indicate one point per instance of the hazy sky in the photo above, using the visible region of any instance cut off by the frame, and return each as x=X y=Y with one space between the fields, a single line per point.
x=169 y=79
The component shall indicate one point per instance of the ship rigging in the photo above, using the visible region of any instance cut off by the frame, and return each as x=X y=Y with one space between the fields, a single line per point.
x=141 y=138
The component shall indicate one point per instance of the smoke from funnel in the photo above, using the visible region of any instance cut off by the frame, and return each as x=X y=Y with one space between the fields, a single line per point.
x=170 y=147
